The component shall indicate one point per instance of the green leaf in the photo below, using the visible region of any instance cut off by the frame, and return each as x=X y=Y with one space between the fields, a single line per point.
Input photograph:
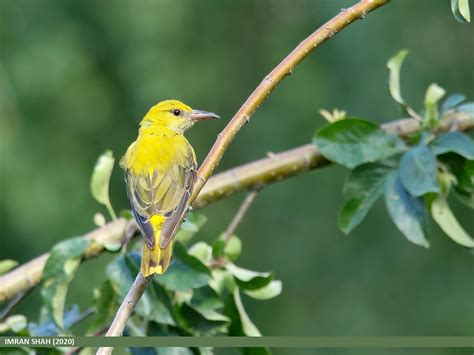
x=221 y=280
x=58 y=272
x=201 y=312
x=122 y=272
x=273 y=289
x=6 y=265
x=203 y=321
x=452 y=101
x=463 y=171
x=201 y=250
x=47 y=327
x=406 y=211
x=455 y=142
x=418 y=169
x=206 y=298
x=127 y=214
x=241 y=323
x=460 y=10
x=164 y=311
x=218 y=248
x=352 y=142
x=105 y=302
x=467 y=108
x=447 y=221
x=434 y=93
x=100 y=180
x=394 y=65
x=233 y=248
x=186 y=272
x=230 y=249
x=247 y=279
x=193 y=223
x=362 y=188
x=16 y=323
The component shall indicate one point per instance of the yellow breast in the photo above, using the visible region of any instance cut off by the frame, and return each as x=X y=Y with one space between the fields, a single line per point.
x=157 y=152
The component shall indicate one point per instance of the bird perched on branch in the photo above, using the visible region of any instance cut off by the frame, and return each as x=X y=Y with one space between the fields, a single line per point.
x=160 y=171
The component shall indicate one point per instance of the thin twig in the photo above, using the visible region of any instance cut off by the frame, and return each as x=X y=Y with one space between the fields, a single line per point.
x=286 y=67
x=14 y=302
x=261 y=172
x=229 y=232
x=126 y=309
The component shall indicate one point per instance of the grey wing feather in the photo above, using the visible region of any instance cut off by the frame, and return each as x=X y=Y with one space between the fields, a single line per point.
x=172 y=223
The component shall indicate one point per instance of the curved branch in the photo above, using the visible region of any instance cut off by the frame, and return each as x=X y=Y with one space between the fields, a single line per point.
x=259 y=173
x=270 y=82
x=336 y=24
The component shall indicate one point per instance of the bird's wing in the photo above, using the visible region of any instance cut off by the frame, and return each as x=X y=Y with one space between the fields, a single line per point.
x=172 y=223
x=162 y=192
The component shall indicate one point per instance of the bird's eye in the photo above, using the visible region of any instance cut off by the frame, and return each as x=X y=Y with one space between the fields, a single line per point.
x=176 y=112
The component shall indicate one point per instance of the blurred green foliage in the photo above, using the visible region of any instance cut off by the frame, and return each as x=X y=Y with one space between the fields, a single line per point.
x=76 y=78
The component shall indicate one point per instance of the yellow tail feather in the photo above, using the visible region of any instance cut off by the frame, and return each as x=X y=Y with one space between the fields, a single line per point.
x=157 y=260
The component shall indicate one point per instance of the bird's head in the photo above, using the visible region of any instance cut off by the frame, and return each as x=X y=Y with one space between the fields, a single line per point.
x=175 y=116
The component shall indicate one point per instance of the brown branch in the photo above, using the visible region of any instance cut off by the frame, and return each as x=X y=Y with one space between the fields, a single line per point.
x=259 y=173
x=229 y=232
x=126 y=309
x=286 y=67
x=14 y=302
x=270 y=82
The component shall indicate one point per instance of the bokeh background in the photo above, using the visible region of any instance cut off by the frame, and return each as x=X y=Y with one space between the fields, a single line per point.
x=77 y=76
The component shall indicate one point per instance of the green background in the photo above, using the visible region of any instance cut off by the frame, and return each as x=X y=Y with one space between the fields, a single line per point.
x=77 y=76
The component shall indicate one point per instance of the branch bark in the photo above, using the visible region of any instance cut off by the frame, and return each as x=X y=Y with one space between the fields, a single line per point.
x=286 y=67
x=270 y=82
x=259 y=173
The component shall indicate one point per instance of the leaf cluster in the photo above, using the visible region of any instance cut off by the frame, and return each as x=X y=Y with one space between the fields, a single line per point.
x=415 y=175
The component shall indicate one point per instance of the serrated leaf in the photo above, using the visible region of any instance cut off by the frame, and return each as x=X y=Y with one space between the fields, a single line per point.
x=185 y=272
x=452 y=101
x=455 y=142
x=434 y=93
x=352 y=142
x=418 y=169
x=272 y=290
x=6 y=265
x=394 y=65
x=362 y=188
x=58 y=272
x=193 y=223
x=247 y=279
x=406 y=211
x=105 y=305
x=100 y=180
x=447 y=221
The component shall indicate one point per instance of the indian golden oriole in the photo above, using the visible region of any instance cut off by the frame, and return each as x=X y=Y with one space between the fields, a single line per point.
x=160 y=171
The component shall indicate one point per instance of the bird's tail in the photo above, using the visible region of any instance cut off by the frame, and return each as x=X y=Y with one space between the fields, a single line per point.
x=157 y=260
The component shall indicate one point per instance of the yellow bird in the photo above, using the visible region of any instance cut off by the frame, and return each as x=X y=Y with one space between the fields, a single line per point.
x=160 y=171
